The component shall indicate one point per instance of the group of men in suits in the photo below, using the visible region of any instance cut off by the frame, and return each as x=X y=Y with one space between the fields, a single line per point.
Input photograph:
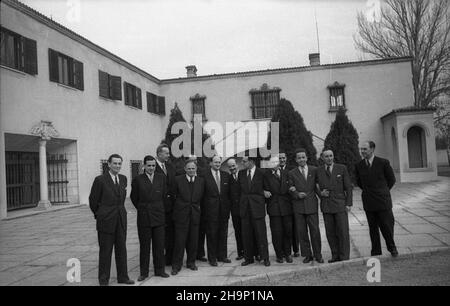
x=172 y=210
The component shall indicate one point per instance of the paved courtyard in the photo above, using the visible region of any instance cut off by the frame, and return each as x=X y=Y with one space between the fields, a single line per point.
x=34 y=250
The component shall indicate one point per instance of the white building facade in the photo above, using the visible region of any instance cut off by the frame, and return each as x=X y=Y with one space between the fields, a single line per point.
x=71 y=103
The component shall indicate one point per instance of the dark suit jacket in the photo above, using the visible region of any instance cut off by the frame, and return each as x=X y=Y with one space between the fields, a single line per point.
x=216 y=204
x=375 y=183
x=252 y=199
x=170 y=181
x=235 y=195
x=149 y=199
x=340 y=187
x=107 y=203
x=279 y=204
x=308 y=205
x=187 y=204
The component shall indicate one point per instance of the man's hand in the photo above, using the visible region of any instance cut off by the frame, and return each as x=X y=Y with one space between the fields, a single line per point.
x=301 y=195
x=292 y=189
x=267 y=194
x=325 y=193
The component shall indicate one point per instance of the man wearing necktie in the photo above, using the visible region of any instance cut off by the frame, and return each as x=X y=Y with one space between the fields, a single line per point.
x=335 y=201
x=189 y=190
x=235 y=196
x=253 y=211
x=106 y=200
x=374 y=175
x=302 y=182
x=165 y=168
x=148 y=191
x=279 y=208
x=216 y=211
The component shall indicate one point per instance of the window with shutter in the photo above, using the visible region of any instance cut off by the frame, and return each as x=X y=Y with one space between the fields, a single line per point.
x=133 y=95
x=78 y=75
x=115 y=85
x=337 y=98
x=18 y=52
x=103 y=84
x=53 y=65
x=161 y=105
x=30 y=56
x=65 y=70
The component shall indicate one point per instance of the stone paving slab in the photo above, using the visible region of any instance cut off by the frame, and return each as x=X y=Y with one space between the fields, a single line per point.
x=34 y=249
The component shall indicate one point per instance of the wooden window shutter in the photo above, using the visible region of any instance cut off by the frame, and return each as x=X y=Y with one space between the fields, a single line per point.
x=103 y=83
x=138 y=98
x=53 y=65
x=161 y=105
x=78 y=75
x=126 y=93
x=30 y=56
x=115 y=87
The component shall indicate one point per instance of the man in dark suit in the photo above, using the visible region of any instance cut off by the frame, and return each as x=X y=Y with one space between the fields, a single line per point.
x=375 y=177
x=189 y=190
x=253 y=211
x=335 y=201
x=235 y=197
x=279 y=208
x=148 y=192
x=216 y=211
x=285 y=167
x=302 y=182
x=165 y=168
x=106 y=201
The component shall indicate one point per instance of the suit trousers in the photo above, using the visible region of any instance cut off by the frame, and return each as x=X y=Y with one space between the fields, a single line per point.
x=216 y=236
x=147 y=235
x=106 y=242
x=304 y=223
x=169 y=238
x=381 y=221
x=186 y=238
x=337 y=230
x=237 y=225
x=281 y=228
x=254 y=229
x=201 y=238
x=295 y=241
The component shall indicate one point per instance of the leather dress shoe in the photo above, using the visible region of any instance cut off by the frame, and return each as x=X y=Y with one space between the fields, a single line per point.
x=296 y=255
x=225 y=260
x=266 y=262
x=175 y=271
x=279 y=260
x=104 y=284
x=289 y=259
x=127 y=282
x=307 y=259
x=240 y=257
x=333 y=260
x=202 y=259
x=162 y=274
x=320 y=260
x=141 y=278
x=394 y=252
x=192 y=267
x=213 y=263
x=258 y=258
x=247 y=262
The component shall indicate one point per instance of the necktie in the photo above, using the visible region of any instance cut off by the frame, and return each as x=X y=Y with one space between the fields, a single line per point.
x=367 y=163
x=249 y=178
x=217 y=178
x=302 y=170
x=116 y=182
x=277 y=175
x=164 y=168
x=328 y=171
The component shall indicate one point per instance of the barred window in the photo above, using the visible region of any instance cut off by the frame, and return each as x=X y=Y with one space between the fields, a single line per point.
x=337 y=98
x=265 y=101
x=198 y=106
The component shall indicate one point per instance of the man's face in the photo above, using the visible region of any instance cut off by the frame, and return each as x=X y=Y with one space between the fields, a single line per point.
x=191 y=169
x=150 y=166
x=216 y=163
x=115 y=165
x=232 y=166
x=366 y=151
x=164 y=154
x=301 y=159
x=248 y=164
x=283 y=159
x=328 y=157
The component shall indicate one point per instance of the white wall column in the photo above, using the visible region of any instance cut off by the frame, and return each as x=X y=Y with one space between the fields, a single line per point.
x=44 y=203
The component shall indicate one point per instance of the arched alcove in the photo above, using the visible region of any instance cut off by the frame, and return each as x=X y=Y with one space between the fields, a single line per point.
x=417 y=148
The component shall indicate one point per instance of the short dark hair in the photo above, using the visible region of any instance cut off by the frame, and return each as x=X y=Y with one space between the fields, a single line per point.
x=160 y=147
x=300 y=150
x=188 y=161
x=114 y=156
x=147 y=158
x=327 y=149
x=215 y=155
x=371 y=144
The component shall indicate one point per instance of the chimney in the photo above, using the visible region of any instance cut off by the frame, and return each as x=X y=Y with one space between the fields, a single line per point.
x=314 y=59
x=191 y=71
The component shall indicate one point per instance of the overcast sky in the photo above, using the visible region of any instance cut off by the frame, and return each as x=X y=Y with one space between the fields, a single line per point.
x=218 y=36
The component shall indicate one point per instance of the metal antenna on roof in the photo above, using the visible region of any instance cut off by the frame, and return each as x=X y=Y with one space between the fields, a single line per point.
x=317 y=31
